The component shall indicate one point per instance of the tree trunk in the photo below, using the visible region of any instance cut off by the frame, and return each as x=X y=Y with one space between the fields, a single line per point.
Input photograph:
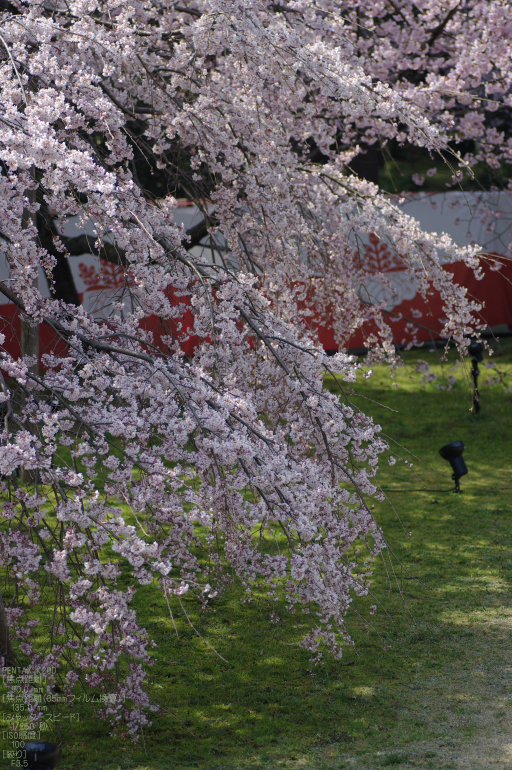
x=6 y=651
x=30 y=338
x=29 y=329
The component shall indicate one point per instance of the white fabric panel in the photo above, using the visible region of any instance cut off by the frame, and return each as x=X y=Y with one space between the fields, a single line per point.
x=456 y=213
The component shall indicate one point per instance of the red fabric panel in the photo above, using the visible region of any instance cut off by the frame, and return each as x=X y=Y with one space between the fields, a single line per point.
x=494 y=292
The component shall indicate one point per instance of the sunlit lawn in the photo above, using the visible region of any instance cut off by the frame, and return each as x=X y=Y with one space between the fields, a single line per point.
x=419 y=678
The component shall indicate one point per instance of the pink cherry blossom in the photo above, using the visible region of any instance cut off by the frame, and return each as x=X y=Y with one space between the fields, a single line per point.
x=119 y=445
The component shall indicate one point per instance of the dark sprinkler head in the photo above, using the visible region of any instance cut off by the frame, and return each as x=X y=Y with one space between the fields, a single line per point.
x=476 y=350
x=41 y=756
x=453 y=453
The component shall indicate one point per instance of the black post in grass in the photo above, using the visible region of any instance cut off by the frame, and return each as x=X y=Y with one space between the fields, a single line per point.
x=453 y=453
x=475 y=350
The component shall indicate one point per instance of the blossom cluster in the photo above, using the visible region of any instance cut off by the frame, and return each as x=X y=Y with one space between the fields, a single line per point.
x=115 y=451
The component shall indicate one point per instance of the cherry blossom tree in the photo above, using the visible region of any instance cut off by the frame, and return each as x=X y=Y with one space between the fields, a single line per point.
x=120 y=453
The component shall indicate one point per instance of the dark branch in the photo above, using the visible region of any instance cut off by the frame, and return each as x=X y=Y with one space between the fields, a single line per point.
x=441 y=27
x=191 y=11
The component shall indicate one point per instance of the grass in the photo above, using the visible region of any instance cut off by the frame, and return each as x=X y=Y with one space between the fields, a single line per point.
x=402 y=162
x=427 y=685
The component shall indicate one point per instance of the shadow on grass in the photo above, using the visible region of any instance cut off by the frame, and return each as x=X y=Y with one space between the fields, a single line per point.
x=421 y=672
